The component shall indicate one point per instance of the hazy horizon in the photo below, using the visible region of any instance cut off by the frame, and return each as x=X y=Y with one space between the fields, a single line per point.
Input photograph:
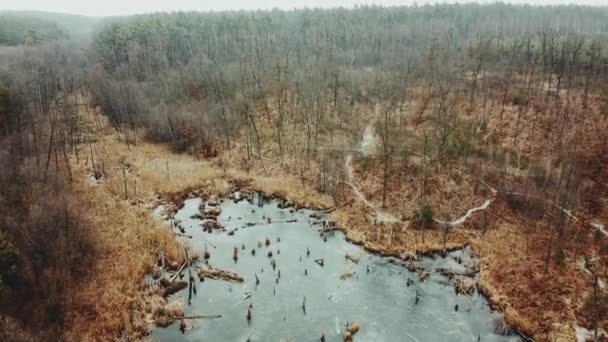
x=121 y=7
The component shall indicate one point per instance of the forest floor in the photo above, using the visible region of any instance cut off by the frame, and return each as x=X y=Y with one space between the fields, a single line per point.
x=539 y=295
x=542 y=302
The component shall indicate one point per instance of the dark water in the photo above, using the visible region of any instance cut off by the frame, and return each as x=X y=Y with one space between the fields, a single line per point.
x=378 y=299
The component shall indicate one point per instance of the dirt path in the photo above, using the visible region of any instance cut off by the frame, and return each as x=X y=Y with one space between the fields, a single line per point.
x=367 y=147
x=368 y=142
x=600 y=227
x=379 y=216
x=469 y=212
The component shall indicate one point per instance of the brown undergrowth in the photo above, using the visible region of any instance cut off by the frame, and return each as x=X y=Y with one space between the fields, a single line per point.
x=528 y=272
x=113 y=302
x=541 y=301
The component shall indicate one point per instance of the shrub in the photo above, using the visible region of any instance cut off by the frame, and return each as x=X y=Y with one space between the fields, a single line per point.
x=519 y=99
x=560 y=258
x=532 y=208
x=366 y=162
x=424 y=216
x=538 y=174
x=47 y=245
x=10 y=264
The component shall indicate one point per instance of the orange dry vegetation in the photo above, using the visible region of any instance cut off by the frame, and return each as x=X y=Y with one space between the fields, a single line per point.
x=543 y=303
x=113 y=302
x=539 y=302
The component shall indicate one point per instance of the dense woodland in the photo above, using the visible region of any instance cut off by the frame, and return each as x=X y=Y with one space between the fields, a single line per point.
x=452 y=85
x=16 y=30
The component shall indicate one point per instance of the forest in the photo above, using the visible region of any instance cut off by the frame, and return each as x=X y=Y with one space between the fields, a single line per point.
x=410 y=115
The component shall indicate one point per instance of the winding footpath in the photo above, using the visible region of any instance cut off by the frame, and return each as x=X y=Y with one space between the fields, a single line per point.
x=367 y=147
x=469 y=212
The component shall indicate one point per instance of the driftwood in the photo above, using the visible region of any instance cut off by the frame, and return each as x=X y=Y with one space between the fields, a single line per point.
x=184 y=235
x=352 y=258
x=183 y=326
x=269 y=221
x=212 y=224
x=197 y=216
x=174 y=287
x=215 y=273
x=409 y=256
x=212 y=212
x=451 y=273
x=328 y=229
x=351 y=330
x=178 y=272
x=464 y=286
x=346 y=275
x=202 y=317
x=315 y=216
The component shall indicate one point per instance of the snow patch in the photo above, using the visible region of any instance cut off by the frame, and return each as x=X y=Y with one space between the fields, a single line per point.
x=583 y=334
x=159 y=212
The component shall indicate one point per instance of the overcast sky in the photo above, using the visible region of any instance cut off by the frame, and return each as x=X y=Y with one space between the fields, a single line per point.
x=123 y=7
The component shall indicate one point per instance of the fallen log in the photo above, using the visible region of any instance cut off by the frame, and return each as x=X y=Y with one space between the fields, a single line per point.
x=215 y=273
x=451 y=273
x=269 y=221
x=328 y=229
x=202 y=317
x=174 y=287
x=315 y=216
x=197 y=216
x=212 y=212
x=212 y=224
x=352 y=258
x=464 y=286
x=351 y=330
x=184 y=235
x=409 y=256
x=346 y=275
x=164 y=282
x=178 y=272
